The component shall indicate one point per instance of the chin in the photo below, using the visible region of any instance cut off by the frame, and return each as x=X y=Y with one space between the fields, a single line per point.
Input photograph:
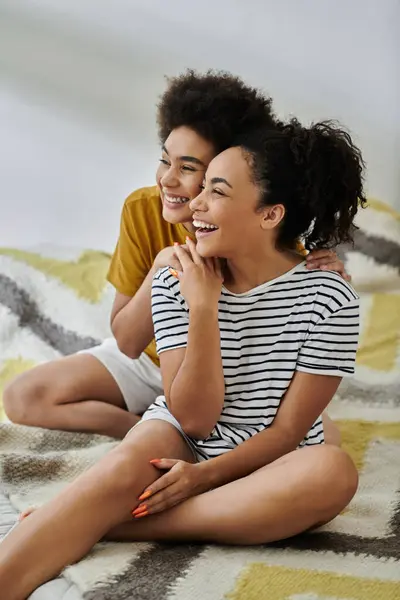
x=175 y=216
x=206 y=250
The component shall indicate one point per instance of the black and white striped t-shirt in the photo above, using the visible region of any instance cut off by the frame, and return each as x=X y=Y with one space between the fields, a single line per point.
x=302 y=321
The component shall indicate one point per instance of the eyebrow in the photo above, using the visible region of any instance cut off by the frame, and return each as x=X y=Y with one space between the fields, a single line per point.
x=191 y=159
x=221 y=180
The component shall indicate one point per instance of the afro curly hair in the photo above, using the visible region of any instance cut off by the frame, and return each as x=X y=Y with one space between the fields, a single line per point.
x=316 y=173
x=217 y=105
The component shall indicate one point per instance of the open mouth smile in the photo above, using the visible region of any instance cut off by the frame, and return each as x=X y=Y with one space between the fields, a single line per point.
x=203 y=228
x=175 y=201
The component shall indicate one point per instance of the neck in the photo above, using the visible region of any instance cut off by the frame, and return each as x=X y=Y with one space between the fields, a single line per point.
x=247 y=271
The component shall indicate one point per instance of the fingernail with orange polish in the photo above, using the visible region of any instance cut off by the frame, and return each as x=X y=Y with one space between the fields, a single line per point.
x=139 y=509
x=142 y=514
x=155 y=460
x=173 y=272
x=145 y=495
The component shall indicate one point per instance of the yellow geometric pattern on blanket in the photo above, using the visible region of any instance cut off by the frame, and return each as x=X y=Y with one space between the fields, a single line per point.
x=380 y=206
x=263 y=582
x=86 y=276
x=10 y=369
x=380 y=343
x=357 y=436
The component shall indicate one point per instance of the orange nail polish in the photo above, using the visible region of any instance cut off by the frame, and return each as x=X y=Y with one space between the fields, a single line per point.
x=155 y=460
x=173 y=272
x=145 y=495
x=139 y=509
x=143 y=514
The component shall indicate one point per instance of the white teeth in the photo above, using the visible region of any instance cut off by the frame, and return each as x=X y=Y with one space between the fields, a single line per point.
x=179 y=200
x=203 y=225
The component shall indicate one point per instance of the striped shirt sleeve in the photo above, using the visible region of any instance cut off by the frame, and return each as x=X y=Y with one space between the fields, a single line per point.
x=331 y=346
x=170 y=315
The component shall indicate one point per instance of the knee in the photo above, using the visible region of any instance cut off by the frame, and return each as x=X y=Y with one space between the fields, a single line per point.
x=22 y=399
x=124 y=471
x=338 y=479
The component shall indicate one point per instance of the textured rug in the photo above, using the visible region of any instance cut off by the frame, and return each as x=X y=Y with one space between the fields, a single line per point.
x=55 y=302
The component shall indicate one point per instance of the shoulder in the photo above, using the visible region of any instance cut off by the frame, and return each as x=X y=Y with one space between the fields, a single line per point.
x=166 y=288
x=142 y=215
x=164 y=279
x=164 y=276
x=331 y=283
x=325 y=292
x=145 y=198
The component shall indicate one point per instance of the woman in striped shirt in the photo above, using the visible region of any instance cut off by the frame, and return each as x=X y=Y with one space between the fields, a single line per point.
x=106 y=388
x=252 y=349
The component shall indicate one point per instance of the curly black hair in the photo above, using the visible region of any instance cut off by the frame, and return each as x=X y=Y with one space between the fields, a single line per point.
x=217 y=105
x=316 y=173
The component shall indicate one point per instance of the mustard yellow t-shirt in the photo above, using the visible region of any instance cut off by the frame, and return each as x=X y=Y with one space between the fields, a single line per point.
x=143 y=234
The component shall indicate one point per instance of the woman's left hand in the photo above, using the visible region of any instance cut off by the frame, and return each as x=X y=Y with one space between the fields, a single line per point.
x=182 y=481
x=327 y=260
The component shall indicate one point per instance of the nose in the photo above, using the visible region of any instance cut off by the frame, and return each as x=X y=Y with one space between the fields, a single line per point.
x=198 y=203
x=169 y=178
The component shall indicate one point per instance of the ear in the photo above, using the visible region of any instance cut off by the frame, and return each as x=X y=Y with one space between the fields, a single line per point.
x=271 y=216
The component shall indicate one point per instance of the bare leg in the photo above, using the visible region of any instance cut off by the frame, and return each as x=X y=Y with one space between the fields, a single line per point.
x=75 y=393
x=300 y=491
x=332 y=437
x=68 y=526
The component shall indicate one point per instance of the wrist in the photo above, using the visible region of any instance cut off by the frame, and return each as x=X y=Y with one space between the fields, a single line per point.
x=207 y=475
x=203 y=308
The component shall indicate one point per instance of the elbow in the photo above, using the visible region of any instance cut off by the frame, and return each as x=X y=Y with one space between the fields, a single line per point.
x=129 y=351
x=196 y=418
x=126 y=346
x=193 y=425
x=195 y=430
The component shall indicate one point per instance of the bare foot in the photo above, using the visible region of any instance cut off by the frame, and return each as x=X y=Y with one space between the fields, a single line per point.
x=25 y=513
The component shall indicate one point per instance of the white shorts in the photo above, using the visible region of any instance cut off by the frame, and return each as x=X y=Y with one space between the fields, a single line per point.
x=160 y=413
x=138 y=379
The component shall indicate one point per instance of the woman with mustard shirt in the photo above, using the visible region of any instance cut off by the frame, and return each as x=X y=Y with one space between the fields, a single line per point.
x=105 y=389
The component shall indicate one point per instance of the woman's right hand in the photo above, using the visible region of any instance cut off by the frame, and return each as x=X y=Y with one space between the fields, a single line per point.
x=200 y=278
x=167 y=258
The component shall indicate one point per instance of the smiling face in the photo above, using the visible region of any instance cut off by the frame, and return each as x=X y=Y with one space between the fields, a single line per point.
x=185 y=157
x=226 y=213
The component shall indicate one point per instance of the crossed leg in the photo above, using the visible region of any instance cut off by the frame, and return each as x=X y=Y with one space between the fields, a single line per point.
x=300 y=491
x=297 y=492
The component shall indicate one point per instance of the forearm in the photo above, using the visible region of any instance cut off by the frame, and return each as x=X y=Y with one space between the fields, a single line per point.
x=260 y=450
x=133 y=326
x=196 y=395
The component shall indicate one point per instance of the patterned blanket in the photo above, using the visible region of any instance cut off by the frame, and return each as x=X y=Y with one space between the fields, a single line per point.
x=55 y=302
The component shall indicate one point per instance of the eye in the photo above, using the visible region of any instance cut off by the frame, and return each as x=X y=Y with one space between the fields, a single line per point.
x=218 y=192
x=164 y=162
x=187 y=168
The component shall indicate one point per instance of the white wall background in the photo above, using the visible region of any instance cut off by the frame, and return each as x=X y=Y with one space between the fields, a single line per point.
x=79 y=80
